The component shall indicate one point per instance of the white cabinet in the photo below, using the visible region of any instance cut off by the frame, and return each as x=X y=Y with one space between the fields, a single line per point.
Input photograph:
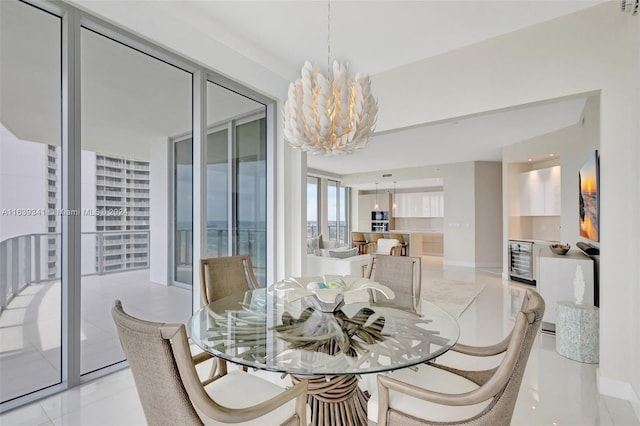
x=366 y=205
x=555 y=281
x=402 y=205
x=552 y=184
x=540 y=192
x=419 y=204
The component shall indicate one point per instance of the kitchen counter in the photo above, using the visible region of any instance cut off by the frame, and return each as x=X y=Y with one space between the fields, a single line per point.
x=419 y=243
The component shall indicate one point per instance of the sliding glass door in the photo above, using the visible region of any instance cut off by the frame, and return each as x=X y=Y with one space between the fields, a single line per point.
x=183 y=212
x=132 y=105
x=218 y=178
x=30 y=200
x=98 y=182
x=236 y=176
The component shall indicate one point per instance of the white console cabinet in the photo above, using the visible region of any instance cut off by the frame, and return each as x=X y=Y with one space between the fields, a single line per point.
x=555 y=281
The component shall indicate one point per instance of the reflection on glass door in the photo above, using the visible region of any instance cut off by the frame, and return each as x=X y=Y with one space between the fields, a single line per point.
x=251 y=194
x=218 y=193
x=132 y=104
x=30 y=196
x=236 y=177
x=183 y=224
x=343 y=217
x=313 y=213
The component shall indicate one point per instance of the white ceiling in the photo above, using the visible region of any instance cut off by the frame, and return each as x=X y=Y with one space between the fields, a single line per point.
x=374 y=36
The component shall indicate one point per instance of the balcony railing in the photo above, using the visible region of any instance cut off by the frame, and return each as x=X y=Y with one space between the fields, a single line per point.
x=249 y=241
x=26 y=259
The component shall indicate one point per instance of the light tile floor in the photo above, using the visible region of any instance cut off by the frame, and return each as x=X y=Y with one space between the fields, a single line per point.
x=555 y=390
x=30 y=328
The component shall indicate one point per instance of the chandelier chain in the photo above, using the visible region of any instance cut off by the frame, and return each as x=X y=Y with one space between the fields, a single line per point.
x=328 y=35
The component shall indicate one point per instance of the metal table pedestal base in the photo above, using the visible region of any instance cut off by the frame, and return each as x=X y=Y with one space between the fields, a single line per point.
x=335 y=400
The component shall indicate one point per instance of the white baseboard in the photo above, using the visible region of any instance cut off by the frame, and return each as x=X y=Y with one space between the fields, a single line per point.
x=636 y=407
x=489 y=265
x=472 y=264
x=618 y=389
x=459 y=263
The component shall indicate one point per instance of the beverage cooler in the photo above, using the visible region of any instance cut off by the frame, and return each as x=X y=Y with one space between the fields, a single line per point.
x=521 y=261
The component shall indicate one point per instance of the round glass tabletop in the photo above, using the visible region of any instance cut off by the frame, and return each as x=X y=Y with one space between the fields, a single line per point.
x=261 y=329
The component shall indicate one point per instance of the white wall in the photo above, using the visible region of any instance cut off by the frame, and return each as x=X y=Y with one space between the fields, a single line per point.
x=488 y=211
x=592 y=50
x=159 y=224
x=635 y=226
x=459 y=214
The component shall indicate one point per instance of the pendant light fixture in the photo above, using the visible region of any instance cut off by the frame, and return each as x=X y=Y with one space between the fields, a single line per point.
x=376 y=207
x=394 y=195
x=332 y=113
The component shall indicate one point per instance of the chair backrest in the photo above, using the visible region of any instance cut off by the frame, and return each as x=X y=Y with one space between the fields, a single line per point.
x=511 y=370
x=161 y=391
x=503 y=382
x=374 y=237
x=398 y=237
x=500 y=385
x=223 y=276
x=386 y=245
x=401 y=274
x=357 y=237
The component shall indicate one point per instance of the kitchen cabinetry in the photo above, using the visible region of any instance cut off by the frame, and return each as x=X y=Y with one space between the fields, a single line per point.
x=555 y=281
x=540 y=192
x=433 y=244
x=366 y=204
x=419 y=204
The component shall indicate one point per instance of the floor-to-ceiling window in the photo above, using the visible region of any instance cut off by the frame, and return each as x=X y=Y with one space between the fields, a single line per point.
x=218 y=191
x=101 y=121
x=30 y=193
x=343 y=215
x=337 y=208
x=182 y=269
x=236 y=177
x=328 y=210
x=313 y=213
x=251 y=193
x=132 y=105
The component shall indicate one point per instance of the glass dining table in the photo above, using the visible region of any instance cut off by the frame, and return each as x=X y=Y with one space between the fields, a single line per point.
x=262 y=330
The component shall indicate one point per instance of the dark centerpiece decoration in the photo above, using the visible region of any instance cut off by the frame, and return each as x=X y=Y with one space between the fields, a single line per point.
x=331 y=333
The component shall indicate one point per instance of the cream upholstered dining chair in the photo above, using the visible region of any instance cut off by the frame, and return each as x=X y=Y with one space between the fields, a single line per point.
x=221 y=277
x=451 y=396
x=384 y=246
x=401 y=240
x=401 y=274
x=171 y=392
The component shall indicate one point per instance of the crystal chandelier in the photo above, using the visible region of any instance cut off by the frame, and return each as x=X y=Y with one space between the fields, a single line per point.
x=332 y=113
